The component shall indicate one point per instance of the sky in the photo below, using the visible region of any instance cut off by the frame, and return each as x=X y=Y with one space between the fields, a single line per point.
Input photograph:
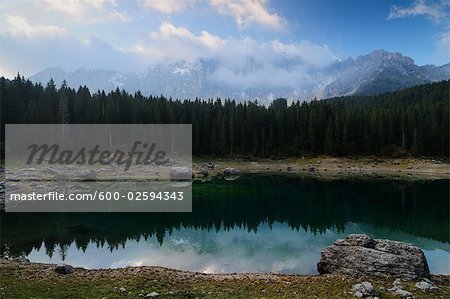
x=132 y=35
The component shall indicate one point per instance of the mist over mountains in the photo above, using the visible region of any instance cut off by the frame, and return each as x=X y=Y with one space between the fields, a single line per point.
x=376 y=72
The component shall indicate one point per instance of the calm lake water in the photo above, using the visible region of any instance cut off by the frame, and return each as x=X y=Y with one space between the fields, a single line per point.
x=253 y=224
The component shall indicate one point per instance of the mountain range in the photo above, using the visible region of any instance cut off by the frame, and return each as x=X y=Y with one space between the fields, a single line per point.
x=376 y=72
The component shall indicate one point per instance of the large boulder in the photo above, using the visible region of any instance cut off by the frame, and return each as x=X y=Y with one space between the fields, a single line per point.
x=360 y=255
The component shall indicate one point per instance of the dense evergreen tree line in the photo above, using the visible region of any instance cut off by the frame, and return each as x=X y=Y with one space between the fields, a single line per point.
x=411 y=121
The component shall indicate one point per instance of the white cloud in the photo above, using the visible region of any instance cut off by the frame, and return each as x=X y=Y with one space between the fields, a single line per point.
x=419 y=8
x=243 y=62
x=167 y=6
x=18 y=26
x=246 y=12
x=85 y=11
x=442 y=48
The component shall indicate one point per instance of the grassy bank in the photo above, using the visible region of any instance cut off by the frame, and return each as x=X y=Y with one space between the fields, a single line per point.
x=29 y=280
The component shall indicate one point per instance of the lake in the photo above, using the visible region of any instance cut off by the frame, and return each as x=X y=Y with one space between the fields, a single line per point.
x=252 y=224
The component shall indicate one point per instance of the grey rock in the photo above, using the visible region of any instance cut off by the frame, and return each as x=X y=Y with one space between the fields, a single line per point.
x=2 y=195
x=204 y=172
x=360 y=255
x=63 y=269
x=50 y=170
x=180 y=173
x=88 y=175
x=426 y=286
x=151 y=295
x=60 y=177
x=21 y=259
x=400 y=292
x=364 y=289
x=397 y=283
x=230 y=171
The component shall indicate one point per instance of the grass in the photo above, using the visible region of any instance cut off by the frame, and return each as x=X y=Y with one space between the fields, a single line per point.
x=26 y=280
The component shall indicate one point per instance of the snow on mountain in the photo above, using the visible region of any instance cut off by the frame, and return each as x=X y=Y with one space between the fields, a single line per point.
x=378 y=71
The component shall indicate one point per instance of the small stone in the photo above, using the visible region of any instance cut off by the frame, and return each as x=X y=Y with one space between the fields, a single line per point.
x=21 y=259
x=397 y=282
x=400 y=292
x=181 y=174
x=88 y=175
x=122 y=290
x=152 y=295
x=364 y=289
x=63 y=269
x=426 y=286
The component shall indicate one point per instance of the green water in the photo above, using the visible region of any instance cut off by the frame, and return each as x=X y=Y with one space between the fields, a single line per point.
x=252 y=224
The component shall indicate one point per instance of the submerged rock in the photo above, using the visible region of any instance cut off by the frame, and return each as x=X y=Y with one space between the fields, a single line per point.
x=360 y=255
x=364 y=290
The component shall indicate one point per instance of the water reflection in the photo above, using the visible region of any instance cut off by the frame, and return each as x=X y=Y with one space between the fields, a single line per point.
x=249 y=225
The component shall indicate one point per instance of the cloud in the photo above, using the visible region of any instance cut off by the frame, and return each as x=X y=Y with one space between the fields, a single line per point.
x=30 y=56
x=85 y=11
x=241 y=62
x=171 y=43
x=18 y=26
x=442 y=48
x=249 y=12
x=439 y=13
x=167 y=6
x=434 y=11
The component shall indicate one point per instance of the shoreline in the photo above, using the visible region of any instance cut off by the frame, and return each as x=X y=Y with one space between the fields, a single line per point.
x=21 y=279
x=331 y=167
